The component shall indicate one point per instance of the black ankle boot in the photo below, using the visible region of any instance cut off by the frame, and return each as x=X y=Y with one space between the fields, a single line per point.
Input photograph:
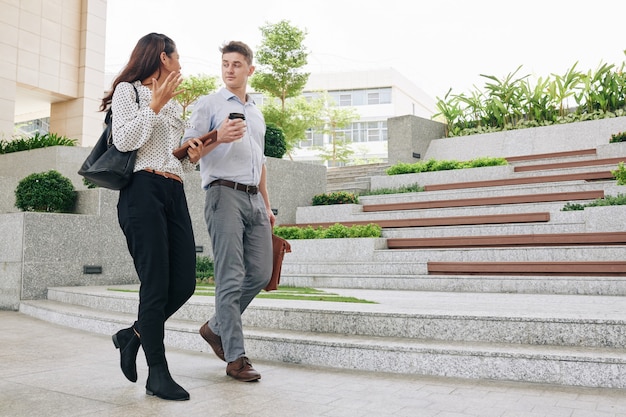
x=161 y=384
x=127 y=341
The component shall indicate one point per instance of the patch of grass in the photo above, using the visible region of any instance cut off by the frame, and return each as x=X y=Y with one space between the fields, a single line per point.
x=283 y=293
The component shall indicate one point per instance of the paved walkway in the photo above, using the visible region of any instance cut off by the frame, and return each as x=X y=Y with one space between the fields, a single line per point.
x=48 y=370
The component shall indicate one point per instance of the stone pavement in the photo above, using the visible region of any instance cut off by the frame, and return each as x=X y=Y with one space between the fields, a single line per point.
x=49 y=370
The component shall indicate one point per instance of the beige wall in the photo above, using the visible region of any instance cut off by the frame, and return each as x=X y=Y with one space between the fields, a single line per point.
x=54 y=54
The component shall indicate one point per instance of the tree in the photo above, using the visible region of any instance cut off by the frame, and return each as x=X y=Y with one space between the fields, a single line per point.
x=296 y=117
x=195 y=86
x=279 y=59
x=335 y=120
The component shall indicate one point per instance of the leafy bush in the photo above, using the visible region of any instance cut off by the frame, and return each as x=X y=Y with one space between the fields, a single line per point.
x=443 y=165
x=516 y=102
x=620 y=174
x=618 y=200
x=413 y=188
x=35 y=142
x=204 y=270
x=337 y=197
x=47 y=192
x=332 y=232
x=618 y=137
x=88 y=183
x=275 y=145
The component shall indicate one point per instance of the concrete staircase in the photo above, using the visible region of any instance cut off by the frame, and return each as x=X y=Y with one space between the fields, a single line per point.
x=354 y=179
x=482 y=276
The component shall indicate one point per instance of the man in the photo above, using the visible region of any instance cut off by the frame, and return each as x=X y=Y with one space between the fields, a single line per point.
x=237 y=207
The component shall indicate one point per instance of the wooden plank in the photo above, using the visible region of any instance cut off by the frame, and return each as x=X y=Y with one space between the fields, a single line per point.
x=557 y=239
x=564 y=154
x=589 y=268
x=584 y=176
x=570 y=164
x=484 y=201
x=440 y=221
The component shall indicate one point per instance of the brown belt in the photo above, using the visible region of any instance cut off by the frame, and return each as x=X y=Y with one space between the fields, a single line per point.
x=250 y=189
x=164 y=174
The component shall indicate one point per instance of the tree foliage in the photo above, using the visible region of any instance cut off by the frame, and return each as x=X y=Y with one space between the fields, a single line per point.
x=334 y=121
x=195 y=86
x=279 y=61
x=297 y=116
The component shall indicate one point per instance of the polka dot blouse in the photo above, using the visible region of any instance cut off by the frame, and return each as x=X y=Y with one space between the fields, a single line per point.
x=155 y=135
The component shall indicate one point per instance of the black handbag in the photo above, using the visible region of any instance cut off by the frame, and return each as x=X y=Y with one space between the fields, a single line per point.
x=106 y=166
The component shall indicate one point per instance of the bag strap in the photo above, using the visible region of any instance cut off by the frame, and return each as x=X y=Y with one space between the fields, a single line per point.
x=108 y=119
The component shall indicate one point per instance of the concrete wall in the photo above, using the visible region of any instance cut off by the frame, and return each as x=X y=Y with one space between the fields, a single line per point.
x=38 y=250
x=408 y=134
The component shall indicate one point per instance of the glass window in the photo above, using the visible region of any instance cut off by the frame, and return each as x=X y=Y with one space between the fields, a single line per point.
x=373 y=98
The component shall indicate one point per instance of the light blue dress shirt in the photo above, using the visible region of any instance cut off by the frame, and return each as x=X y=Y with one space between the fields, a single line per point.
x=240 y=161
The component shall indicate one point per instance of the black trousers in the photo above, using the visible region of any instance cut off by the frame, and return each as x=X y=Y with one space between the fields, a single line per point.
x=153 y=213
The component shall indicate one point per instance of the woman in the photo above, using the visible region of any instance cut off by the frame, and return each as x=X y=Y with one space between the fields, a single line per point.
x=152 y=209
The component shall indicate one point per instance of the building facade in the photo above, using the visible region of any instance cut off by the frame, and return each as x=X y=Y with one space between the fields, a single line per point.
x=53 y=66
x=376 y=95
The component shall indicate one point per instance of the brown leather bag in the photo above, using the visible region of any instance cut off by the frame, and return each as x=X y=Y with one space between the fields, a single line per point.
x=280 y=246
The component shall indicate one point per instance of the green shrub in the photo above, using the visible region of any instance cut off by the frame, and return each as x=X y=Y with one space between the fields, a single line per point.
x=275 y=145
x=618 y=200
x=204 y=270
x=337 y=197
x=35 y=142
x=443 y=165
x=413 y=188
x=47 y=192
x=620 y=174
x=88 y=183
x=618 y=137
x=335 y=231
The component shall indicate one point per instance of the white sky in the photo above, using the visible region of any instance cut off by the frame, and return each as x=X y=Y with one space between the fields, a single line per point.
x=437 y=44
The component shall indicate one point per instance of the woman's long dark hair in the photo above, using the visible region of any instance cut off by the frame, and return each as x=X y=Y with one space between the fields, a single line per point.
x=144 y=61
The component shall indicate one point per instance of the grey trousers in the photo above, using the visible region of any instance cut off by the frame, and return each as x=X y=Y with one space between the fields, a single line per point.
x=241 y=236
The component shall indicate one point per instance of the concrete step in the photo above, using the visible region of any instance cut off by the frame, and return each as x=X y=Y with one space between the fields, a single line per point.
x=535 y=283
x=551 y=339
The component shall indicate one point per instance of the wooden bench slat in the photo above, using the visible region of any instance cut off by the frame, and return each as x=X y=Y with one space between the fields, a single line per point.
x=584 y=176
x=563 y=154
x=557 y=239
x=484 y=201
x=588 y=268
x=570 y=164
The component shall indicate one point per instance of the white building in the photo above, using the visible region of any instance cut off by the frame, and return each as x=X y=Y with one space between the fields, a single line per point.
x=376 y=96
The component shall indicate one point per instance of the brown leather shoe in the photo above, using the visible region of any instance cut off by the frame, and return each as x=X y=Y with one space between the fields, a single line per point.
x=242 y=370
x=213 y=340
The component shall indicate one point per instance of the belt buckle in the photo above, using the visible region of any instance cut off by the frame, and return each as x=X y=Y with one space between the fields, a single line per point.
x=248 y=189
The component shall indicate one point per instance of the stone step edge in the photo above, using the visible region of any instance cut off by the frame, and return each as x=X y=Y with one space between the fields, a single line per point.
x=591 y=367
x=392 y=323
